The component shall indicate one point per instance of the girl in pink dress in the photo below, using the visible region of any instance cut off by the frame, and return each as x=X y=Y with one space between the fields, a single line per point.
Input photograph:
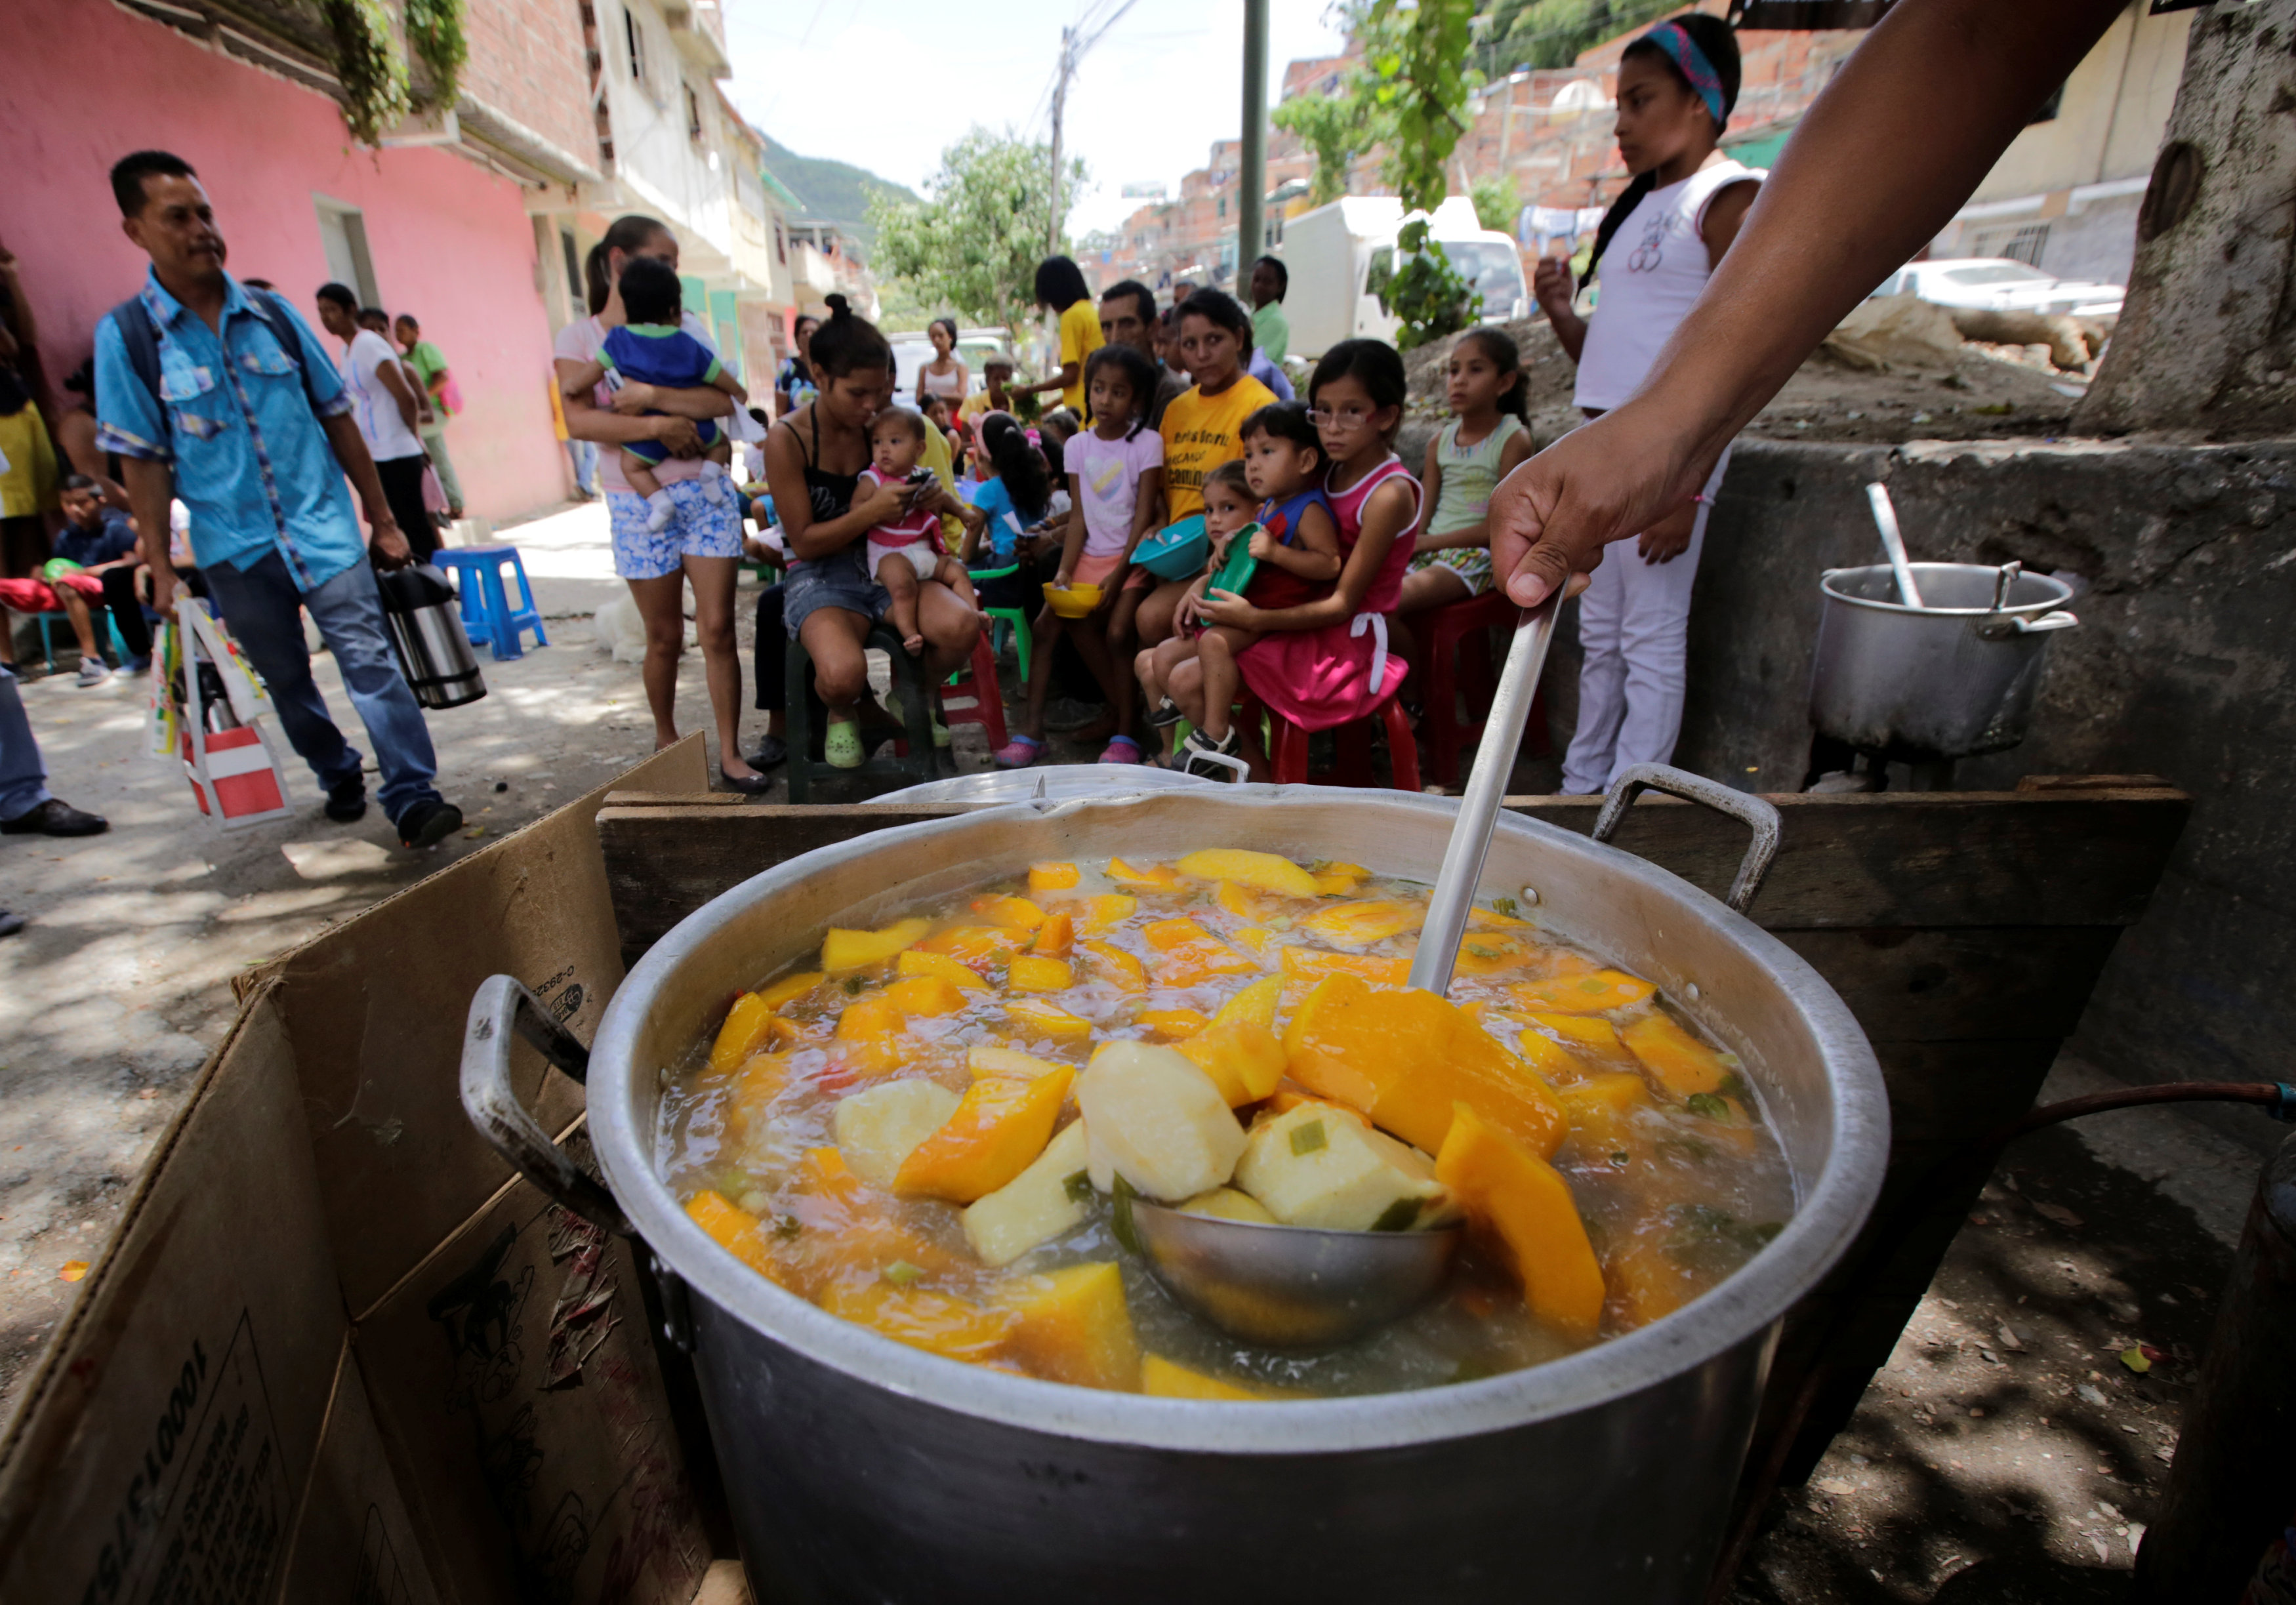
x=1324 y=663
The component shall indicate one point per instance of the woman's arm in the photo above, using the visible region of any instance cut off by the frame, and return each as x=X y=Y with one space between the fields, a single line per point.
x=1385 y=517
x=703 y=401
x=807 y=540
x=586 y=422
x=1512 y=456
x=1910 y=124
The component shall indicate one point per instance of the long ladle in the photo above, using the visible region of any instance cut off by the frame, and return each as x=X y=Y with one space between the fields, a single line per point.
x=1295 y=1285
x=1885 y=519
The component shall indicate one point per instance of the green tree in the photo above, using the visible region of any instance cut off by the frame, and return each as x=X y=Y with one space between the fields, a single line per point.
x=973 y=243
x=1551 y=33
x=1497 y=203
x=1336 y=128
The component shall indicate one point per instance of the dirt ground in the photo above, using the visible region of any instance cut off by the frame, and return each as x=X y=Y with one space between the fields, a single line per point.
x=1985 y=1464
x=1985 y=392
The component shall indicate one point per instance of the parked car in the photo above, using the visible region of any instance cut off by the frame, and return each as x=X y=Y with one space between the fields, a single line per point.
x=2001 y=285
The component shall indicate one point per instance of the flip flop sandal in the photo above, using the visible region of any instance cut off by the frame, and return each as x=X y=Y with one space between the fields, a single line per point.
x=841 y=746
x=1121 y=750
x=1020 y=752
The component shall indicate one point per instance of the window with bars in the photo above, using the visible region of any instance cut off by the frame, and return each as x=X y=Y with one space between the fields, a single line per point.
x=2025 y=242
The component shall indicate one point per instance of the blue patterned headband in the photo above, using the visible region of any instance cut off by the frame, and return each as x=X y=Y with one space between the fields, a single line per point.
x=1674 y=39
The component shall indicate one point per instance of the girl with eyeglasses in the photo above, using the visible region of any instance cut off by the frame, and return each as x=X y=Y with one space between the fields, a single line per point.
x=1325 y=663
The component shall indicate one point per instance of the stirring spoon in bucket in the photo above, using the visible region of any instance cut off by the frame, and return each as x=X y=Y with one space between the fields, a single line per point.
x=1479 y=809
x=1885 y=519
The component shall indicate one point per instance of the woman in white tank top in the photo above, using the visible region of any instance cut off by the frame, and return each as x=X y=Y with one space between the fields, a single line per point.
x=944 y=376
x=1657 y=248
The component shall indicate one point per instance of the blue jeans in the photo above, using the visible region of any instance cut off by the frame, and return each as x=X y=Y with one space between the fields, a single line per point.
x=21 y=772
x=260 y=604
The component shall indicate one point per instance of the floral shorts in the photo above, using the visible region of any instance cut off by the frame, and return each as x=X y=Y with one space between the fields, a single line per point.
x=701 y=529
x=1471 y=564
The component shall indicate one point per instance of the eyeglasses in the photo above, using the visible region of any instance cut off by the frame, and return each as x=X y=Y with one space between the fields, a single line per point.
x=1338 y=418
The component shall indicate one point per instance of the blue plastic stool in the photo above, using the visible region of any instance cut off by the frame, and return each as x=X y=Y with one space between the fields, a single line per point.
x=488 y=617
x=48 y=622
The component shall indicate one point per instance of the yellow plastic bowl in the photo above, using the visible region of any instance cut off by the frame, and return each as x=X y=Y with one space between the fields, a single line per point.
x=1074 y=602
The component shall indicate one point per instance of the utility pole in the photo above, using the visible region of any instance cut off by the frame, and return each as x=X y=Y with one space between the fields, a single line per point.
x=1060 y=106
x=1075 y=42
x=1252 y=180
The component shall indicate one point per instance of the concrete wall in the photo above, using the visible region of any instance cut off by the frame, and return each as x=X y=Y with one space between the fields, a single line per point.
x=450 y=241
x=2182 y=667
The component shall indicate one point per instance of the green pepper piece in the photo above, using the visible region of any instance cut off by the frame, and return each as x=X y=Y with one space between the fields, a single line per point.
x=1308 y=1138
x=1078 y=1185
x=1709 y=1105
x=901 y=1273
x=1120 y=1218
x=1400 y=1215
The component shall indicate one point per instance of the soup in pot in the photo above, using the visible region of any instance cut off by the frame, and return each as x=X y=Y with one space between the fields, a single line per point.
x=924 y=1128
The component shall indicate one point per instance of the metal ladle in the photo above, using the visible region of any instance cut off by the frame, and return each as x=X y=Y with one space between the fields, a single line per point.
x=1296 y=1286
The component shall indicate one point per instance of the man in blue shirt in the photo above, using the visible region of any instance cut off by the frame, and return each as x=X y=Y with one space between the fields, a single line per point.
x=256 y=438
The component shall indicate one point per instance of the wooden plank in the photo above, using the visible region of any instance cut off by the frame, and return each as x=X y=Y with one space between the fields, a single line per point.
x=2058 y=857
x=1955 y=985
x=666 y=857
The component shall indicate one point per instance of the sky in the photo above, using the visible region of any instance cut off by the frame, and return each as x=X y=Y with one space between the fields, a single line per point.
x=1146 y=104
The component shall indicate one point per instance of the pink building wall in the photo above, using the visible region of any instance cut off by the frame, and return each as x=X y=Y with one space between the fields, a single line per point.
x=451 y=243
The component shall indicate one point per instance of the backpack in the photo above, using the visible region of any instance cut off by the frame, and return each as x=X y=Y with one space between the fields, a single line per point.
x=141 y=338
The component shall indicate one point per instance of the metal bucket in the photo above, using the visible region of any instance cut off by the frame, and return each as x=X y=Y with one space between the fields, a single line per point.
x=1950 y=679
x=861 y=1470
x=422 y=611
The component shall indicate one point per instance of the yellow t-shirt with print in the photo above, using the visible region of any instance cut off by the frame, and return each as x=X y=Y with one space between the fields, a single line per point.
x=1081 y=337
x=1201 y=432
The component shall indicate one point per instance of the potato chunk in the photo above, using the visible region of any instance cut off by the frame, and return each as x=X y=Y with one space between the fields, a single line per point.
x=1311 y=1169
x=1035 y=1207
x=877 y=1130
x=1157 y=1120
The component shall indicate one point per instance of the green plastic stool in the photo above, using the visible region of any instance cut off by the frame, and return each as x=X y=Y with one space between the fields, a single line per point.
x=999 y=617
x=805 y=762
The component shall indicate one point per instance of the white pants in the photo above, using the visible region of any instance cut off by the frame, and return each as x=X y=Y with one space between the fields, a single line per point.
x=1634 y=624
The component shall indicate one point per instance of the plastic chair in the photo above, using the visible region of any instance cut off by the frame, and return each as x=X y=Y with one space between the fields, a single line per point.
x=1288 y=748
x=912 y=761
x=1016 y=620
x=488 y=617
x=1457 y=645
x=978 y=682
x=48 y=622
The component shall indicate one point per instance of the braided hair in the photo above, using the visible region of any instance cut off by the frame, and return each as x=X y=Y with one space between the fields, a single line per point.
x=1714 y=38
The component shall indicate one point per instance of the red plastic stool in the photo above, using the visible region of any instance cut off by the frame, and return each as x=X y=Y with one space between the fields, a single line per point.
x=1456 y=640
x=1289 y=743
x=980 y=685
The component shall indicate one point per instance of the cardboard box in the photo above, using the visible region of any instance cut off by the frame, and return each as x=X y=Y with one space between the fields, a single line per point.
x=336 y=1352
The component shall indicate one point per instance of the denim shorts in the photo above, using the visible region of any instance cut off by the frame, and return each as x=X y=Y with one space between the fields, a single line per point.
x=838 y=581
x=701 y=529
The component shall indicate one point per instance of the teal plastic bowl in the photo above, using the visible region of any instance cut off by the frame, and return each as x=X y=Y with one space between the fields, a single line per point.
x=1176 y=550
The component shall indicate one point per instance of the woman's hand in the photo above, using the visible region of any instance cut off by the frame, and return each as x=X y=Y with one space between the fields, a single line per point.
x=1669 y=538
x=1552 y=288
x=1225 y=607
x=1621 y=475
x=678 y=434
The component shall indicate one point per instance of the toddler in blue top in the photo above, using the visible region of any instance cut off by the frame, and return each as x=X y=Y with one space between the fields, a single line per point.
x=651 y=348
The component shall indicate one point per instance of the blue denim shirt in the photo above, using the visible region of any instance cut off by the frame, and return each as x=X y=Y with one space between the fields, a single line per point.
x=251 y=462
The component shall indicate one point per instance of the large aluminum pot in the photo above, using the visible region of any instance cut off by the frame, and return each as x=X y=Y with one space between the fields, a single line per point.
x=860 y=1469
x=1951 y=678
x=992 y=787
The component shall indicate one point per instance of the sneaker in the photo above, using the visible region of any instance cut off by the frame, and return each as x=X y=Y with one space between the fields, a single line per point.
x=1199 y=755
x=54 y=817
x=347 y=801
x=92 y=672
x=1164 y=714
x=428 y=823
x=138 y=666
x=771 y=753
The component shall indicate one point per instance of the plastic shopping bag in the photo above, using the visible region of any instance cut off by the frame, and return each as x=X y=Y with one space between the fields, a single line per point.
x=208 y=705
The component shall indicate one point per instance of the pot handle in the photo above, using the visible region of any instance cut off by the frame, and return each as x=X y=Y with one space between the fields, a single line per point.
x=501 y=1008
x=1751 y=811
x=1996 y=628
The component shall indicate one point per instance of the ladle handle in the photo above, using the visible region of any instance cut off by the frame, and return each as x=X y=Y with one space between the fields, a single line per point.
x=504 y=1008
x=1479 y=809
x=1885 y=519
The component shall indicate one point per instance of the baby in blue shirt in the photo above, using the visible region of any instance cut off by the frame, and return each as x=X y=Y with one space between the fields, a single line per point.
x=652 y=349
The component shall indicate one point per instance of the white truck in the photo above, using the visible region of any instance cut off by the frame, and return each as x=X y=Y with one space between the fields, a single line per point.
x=1331 y=250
